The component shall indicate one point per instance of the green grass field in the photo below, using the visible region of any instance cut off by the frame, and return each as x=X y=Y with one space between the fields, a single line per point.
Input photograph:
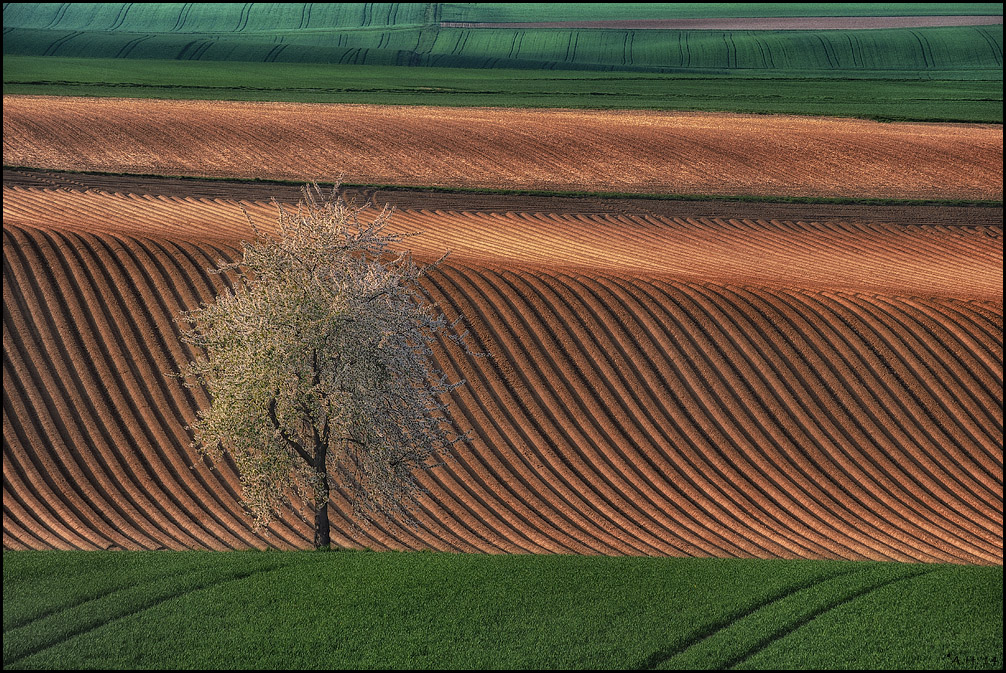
x=398 y=53
x=964 y=48
x=435 y=610
x=883 y=99
x=506 y=12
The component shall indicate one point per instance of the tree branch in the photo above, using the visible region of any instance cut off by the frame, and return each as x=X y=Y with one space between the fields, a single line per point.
x=296 y=445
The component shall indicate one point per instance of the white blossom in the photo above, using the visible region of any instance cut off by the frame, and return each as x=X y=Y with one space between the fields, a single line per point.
x=318 y=366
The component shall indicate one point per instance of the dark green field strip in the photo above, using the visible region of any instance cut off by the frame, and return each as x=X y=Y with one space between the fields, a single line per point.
x=922 y=49
x=46 y=585
x=434 y=610
x=208 y=17
x=249 y=17
x=975 y=100
x=546 y=11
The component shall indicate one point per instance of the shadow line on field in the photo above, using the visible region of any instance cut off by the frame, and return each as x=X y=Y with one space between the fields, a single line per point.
x=765 y=642
x=660 y=656
x=77 y=632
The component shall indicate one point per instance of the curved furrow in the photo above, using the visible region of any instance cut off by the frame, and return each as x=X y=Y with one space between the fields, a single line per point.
x=817 y=444
x=620 y=352
x=96 y=356
x=145 y=340
x=68 y=434
x=161 y=395
x=169 y=287
x=826 y=366
x=961 y=393
x=977 y=333
x=914 y=414
x=845 y=432
x=597 y=432
x=763 y=391
x=125 y=325
x=488 y=487
x=869 y=408
x=685 y=449
x=940 y=426
x=24 y=507
x=808 y=400
x=750 y=445
x=874 y=444
x=943 y=338
x=504 y=425
x=573 y=320
x=604 y=302
x=18 y=538
x=742 y=440
x=548 y=418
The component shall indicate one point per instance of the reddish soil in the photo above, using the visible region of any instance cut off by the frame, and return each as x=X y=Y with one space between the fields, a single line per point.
x=634 y=151
x=868 y=257
x=655 y=385
x=753 y=23
x=938 y=215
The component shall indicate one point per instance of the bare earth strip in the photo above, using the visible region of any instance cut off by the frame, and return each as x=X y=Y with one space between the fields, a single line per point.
x=753 y=23
x=871 y=257
x=559 y=150
x=627 y=406
x=938 y=215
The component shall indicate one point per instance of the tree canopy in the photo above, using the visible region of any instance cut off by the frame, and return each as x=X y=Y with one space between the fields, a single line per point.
x=318 y=366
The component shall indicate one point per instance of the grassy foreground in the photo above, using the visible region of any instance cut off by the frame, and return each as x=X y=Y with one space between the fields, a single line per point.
x=361 y=609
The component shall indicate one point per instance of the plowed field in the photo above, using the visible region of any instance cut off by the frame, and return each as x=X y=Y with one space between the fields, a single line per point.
x=655 y=385
x=659 y=152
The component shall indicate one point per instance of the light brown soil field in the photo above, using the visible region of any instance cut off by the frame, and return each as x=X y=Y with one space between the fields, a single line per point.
x=876 y=257
x=627 y=406
x=935 y=215
x=754 y=23
x=634 y=151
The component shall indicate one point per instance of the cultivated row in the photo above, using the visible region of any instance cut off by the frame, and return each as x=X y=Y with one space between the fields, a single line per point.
x=618 y=411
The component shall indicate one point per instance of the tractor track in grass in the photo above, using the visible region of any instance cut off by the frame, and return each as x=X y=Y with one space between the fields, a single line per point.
x=148 y=599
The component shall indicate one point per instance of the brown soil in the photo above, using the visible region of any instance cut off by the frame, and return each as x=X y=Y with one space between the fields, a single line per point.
x=564 y=150
x=752 y=23
x=856 y=256
x=656 y=385
x=941 y=215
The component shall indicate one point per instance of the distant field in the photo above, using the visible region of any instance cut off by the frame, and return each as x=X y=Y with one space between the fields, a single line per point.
x=882 y=98
x=264 y=610
x=546 y=11
x=497 y=148
x=955 y=48
x=404 y=53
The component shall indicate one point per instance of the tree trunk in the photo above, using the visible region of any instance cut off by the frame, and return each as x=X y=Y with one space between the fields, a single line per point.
x=322 y=538
x=322 y=534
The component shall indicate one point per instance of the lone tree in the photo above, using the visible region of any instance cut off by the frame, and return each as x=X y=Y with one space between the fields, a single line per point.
x=318 y=366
